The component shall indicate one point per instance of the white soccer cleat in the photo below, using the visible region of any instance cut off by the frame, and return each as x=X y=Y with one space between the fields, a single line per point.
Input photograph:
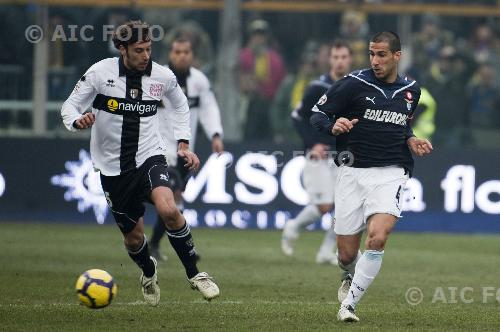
x=346 y=314
x=205 y=284
x=150 y=288
x=288 y=236
x=344 y=287
x=326 y=258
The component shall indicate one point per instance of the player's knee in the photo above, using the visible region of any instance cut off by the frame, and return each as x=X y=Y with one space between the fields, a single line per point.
x=170 y=215
x=133 y=240
x=346 y=258
x=376 y=241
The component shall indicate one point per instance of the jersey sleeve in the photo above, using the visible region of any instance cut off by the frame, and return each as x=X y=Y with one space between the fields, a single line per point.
x=333 y=104
x=301 y=116
x=180 y=117
x=409 y=129
x=80 y=99
x=209 y=115
x=311 y=96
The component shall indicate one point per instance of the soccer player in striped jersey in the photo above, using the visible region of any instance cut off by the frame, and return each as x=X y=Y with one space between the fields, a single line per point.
x=126 y=147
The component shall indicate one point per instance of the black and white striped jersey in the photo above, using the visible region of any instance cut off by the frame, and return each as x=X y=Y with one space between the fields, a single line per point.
x=125 y=104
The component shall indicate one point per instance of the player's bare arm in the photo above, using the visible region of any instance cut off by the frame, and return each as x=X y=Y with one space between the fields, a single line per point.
x=192 y=161
x=343 y=125
x=86 y=121
x=217 y=144
x=419 y=146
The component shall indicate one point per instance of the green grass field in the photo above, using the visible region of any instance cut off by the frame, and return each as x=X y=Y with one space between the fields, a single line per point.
x=260 y=288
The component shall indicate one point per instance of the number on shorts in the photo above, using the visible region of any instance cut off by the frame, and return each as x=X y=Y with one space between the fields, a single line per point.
x=398 y=195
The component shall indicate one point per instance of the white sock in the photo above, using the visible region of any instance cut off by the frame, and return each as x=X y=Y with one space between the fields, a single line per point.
x=329 y=242
x=309 y=214
x=367 y=269
x=351 y=266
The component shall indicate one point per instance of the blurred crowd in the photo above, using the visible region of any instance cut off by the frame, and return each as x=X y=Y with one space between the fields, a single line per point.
x=457 y=64
x=459 y=75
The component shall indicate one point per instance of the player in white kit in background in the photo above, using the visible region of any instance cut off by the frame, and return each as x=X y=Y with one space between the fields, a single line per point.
x=320 y=172
x=203 y=109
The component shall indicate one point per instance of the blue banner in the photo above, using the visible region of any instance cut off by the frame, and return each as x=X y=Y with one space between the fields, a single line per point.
x=250 y=186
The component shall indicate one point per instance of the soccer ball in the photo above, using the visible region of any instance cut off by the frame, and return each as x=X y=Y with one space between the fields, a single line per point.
x=96 y=288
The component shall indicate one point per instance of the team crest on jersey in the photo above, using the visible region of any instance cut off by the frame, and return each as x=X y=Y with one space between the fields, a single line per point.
x=156 y=89
x=409 y=100
x=134 y=93
x=322 y=100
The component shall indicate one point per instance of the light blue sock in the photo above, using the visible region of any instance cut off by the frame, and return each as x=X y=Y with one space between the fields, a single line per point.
x=367 y=269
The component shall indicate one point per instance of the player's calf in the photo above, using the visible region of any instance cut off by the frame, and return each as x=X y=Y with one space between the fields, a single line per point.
x=183 y=244
x=137 y=247
x=347 y=275
x=367 y=269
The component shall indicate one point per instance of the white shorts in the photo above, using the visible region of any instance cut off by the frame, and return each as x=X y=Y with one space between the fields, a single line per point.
x=319 y=178
x=362 y=192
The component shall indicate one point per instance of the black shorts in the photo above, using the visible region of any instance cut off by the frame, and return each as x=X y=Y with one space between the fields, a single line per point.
x=127 y=192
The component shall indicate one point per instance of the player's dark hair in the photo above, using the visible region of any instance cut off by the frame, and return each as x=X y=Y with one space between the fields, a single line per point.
x=388 y=37
x=180 y=38
x=130 y=33
x=339 y=43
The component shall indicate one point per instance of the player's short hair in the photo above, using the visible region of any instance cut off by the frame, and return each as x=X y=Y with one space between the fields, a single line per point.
x=180 y=38
x=130 y=33
x=339 y=43
x=388 y=37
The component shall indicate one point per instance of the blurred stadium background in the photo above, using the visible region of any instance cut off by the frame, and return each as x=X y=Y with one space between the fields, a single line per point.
x=451 y=47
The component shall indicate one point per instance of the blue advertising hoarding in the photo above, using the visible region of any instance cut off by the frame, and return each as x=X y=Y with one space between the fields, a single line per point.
x=250 y=186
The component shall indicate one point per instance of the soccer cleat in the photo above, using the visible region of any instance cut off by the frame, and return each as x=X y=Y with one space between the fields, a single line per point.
x=346 y=314
x=150 y=288
x=155 y=252
x=288 y=237
x=344 y=287
x=326 y=258
x=205 y=284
